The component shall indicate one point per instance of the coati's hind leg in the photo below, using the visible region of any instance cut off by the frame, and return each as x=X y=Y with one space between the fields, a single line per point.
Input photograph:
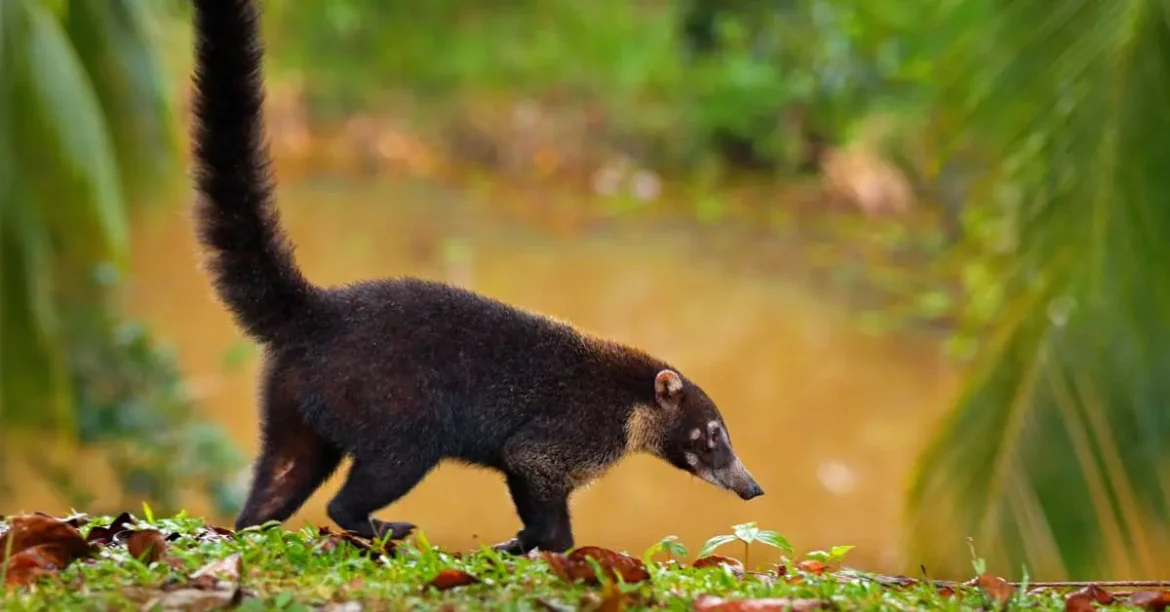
x=373 y=484
x=294 y=460
x=543 y=506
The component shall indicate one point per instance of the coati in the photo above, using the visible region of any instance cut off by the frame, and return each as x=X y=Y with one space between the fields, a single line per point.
x=402 y=373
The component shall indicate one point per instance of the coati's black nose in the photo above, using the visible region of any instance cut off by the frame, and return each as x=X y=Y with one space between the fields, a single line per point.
x=750 y=491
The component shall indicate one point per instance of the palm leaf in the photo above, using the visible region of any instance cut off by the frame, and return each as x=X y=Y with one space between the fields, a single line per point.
x=34 y=371
x=112 y=41
x=1054 y=455
x=66 y=156
x=62 y=207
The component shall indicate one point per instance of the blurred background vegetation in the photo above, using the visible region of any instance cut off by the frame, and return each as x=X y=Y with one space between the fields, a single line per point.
x=974 y=178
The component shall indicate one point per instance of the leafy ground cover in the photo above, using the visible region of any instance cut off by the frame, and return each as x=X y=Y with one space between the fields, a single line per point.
x=183 y=563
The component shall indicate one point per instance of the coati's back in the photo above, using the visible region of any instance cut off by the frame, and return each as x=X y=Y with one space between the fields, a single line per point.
x=473 y=366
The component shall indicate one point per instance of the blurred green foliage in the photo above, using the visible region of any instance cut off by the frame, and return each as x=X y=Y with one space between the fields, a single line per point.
x=684 y=78
x=86 y=129
x=1055 y=455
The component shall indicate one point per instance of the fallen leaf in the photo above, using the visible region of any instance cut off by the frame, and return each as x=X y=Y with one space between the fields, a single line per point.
x=996 y=588
x=196 y=599
x=80 y=519
x=451 y=578
x=30 y=564
x=331 y=539
x=576 y=565
x=342 y=606
x=147 y=545
x=553 y=606
x=1079 y=602
x=762 y=576
x=734 y=565
x=105 y=534
x=207 y=533
x=811 y=566
x=588 y=601
x=1150 y=600
x=711 y=603
x=39 y=545
x=1094 y=593
x=227 y=569
x=28 y=530
x=946 y=591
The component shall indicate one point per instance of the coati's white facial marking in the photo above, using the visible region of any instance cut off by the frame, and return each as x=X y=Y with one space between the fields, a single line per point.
x=692 y=459
x=695 y=433
x=712 y=428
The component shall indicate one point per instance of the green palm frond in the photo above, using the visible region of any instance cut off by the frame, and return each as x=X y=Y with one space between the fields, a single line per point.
x=84 y=121
x=112 y=40
x=1055 y=455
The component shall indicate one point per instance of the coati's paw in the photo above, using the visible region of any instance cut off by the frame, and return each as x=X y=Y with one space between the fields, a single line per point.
x=391 y=530
x=513 y=547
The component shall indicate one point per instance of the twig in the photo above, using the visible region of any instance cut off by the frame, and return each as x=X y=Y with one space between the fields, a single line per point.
x=1104 y=584
x=1114 y=584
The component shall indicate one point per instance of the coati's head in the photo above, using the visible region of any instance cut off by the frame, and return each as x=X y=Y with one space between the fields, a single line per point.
x=689 y=433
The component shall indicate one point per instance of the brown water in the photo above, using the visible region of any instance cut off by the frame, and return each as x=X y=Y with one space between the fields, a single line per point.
x=828 y=418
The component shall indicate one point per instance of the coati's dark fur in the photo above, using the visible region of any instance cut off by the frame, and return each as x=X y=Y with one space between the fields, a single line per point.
x=403 y=373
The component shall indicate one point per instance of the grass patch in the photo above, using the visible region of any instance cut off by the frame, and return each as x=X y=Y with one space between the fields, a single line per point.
x=128 y=563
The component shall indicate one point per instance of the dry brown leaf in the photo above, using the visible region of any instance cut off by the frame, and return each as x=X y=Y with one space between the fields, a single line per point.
x=811 y=566
x=227 y=569
x=28 y=530
x=762 y=576
x=39 y=545
x=104 y=535
x=946 y=591
x=1150 y=600
x=147 y=545
x=30 y=564
x=1096 y=594
x=207 y=533
x=734 y=565
x=451 y=578
x=711 y=603
x=78 y=520
x=996 y=588
x=576 y=565
x=1079 y=602
x=196 y=599
x=331 y=539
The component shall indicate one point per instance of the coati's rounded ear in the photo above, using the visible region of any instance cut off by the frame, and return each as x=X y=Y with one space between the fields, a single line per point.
x=667 y=387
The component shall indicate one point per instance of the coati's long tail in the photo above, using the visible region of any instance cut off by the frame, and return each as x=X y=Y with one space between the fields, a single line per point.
x=250 y=260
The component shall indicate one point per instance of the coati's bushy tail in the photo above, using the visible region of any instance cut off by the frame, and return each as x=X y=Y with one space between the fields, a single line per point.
x=250 y=260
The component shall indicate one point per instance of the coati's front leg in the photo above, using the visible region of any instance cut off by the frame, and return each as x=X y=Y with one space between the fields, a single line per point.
x=543 y=506
x=374 y=484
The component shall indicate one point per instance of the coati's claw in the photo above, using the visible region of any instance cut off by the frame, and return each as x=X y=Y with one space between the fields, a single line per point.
x=512 y=547
x=396 y=531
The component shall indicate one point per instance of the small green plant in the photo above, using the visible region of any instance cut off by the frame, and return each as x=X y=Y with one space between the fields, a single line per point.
x=746 y=533
x=832 y=557
x=671 y=545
